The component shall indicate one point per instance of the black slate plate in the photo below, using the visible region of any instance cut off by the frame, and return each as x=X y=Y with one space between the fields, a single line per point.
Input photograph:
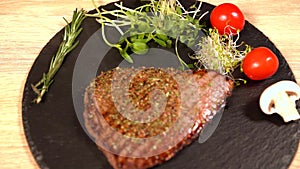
x=245 y=138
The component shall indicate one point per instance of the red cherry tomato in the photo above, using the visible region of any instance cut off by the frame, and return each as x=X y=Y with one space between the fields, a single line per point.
x=227 y=18
x=261 y=63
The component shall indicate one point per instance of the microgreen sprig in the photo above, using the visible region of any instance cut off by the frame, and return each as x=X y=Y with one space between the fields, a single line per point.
x=154 y=21
x=220 y=52
x=72 y=30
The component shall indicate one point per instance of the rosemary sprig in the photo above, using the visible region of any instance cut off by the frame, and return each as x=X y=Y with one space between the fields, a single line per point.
x=72 y=30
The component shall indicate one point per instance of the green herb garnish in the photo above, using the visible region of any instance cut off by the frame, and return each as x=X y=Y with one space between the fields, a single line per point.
x=220 y=53
x=160 y=21
x=72 y=30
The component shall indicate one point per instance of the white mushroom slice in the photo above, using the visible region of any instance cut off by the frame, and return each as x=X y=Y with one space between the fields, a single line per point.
x=280 y=98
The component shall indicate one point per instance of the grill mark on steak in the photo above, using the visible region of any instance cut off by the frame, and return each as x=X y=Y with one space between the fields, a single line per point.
x=100 y=110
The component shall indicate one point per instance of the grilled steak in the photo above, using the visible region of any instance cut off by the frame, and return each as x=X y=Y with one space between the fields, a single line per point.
x=140 y=118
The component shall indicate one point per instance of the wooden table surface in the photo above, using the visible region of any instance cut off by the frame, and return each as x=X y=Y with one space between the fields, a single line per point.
x=27 y=25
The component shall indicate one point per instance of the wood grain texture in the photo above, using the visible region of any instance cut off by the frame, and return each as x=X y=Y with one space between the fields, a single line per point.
x=27 y=25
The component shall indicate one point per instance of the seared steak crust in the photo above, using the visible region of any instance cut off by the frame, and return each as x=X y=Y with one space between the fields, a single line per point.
x=105 y=101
